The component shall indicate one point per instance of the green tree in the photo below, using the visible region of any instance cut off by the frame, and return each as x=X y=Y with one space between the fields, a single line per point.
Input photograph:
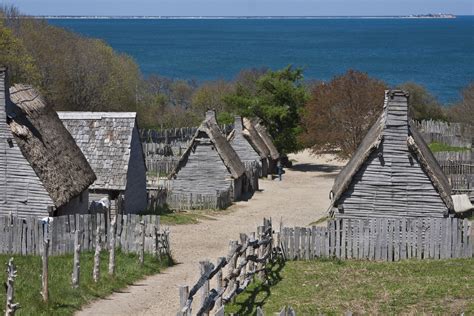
x=423 y=105
x=277 y=100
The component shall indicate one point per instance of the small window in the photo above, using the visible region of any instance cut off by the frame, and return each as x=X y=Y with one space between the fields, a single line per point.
x=10 y=142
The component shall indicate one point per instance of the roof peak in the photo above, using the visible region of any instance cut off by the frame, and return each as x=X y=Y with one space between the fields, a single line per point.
x=74 y=115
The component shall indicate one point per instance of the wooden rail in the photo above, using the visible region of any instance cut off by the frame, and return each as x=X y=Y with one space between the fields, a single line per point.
x=246 y=258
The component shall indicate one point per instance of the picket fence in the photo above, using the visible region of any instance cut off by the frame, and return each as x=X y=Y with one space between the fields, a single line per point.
x=24 y=236
x=381 y=239
x=194 y=201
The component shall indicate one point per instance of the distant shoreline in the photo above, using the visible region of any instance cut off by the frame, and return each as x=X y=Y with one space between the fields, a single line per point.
x=89 y=17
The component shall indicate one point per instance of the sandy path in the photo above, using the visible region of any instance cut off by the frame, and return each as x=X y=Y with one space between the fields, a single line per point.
x=301 y=198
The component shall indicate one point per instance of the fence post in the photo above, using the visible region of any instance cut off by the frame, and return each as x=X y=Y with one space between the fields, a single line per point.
x=204 y=268
x=44 y=275
x=11 y=307
x=141 y=257
x=183 y=298
x=113 y=226
x=260 y=250
x=220 y=284
x=98 y=248
x=76 y=270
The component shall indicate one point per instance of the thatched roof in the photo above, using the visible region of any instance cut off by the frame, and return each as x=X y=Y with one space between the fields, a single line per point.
x=105 y=139
x=416 y=145
x=47 y=145
x=262 y=131
x=228 y=155
x=254 y=138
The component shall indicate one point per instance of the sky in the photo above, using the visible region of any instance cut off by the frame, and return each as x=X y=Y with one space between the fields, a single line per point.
x=242 y=7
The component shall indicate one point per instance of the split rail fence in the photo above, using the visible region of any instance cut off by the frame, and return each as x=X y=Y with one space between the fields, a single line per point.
x=25 y=236
x=381 y=239
x=246 y=258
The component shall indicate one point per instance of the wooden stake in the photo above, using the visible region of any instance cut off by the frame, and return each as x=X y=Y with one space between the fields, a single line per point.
x=76 y=270
x=141 y=256
x=113 y=226
x=44 y=275
x=98 y=249
x=11 y=307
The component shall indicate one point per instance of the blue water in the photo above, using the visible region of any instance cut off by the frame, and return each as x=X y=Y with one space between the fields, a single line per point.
x=437 y=53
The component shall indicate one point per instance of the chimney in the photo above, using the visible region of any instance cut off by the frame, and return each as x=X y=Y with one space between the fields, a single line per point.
x=238 y=126
x=396 y=109
x=211 y=116
x=3 y=100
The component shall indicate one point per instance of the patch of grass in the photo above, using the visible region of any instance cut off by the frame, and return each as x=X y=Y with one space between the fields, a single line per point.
x=437 y=147
x=363 y=287
x=173 y=217
x=63 y=299
x=319 y=221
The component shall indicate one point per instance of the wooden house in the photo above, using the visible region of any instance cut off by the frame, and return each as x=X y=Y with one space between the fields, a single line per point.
x=238 y=139
x=111 y=143
x=209 y=167
x=258 y=144
x=393 y=172
x=267 y=139
x=42 y=171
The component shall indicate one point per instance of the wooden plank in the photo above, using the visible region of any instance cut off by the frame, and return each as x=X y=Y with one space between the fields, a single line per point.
x=465 y=235
x=308 y=244
x=419 y=239
x=314 y=243
x=378 y=242
x=343 y=239
x=448 y=238
x=459 y=232
x=350 y=238
x=383 y=239
x=325 y=234
x=396 y=246
x=337 y=239
x=443 y=247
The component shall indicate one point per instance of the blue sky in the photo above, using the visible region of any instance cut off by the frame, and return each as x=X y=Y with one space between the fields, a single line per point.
x=242 y=7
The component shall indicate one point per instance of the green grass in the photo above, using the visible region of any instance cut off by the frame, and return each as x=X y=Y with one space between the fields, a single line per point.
x=173 y=217
x=63 y=299
x=437 y=147
x=319 y=221
x=334 y=287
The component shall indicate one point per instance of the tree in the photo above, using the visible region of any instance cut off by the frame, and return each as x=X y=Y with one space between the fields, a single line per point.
x=277 y=100
x=463 y=112
x=210 y=95
x=340 y=112
x=422 y=104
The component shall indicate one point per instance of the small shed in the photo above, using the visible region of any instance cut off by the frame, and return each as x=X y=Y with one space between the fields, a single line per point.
x=393 y=172
x=238 y=139
x=209 y=168
x=258 y=144
x=42 y=171
x=267 y=139
x=111 y=143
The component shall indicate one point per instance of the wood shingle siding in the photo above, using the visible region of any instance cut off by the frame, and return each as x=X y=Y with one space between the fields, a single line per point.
x=388 y=178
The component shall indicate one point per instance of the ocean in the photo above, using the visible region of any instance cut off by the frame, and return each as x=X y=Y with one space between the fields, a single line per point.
x=437 y=53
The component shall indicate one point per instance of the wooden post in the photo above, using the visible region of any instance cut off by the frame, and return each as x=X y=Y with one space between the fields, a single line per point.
x=141 y=257
x=44 y=275
x=98 y=248
x=11 y=307
x=183 y=298
x=76 y=270
x=260 y=254
x=220 y=284
x=204 y=268
x=113 y=225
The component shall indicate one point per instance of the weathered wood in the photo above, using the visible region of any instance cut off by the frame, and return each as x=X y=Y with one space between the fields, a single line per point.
x=183 y=298
x=76 y=270
x=45 y=273
x=205 y=268
x=11 y=307
x=98 y=249
x=113 y=227
x=141 y=257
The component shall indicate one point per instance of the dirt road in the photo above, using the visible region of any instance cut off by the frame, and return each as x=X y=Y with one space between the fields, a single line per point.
x=301 y=198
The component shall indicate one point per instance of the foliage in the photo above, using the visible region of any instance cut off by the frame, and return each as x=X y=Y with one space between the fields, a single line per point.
x=277 y=99
x=463 y=112
x=422 y=104
x=340 y=112
x=63 y=299
x=437 y=147
x=361 y=287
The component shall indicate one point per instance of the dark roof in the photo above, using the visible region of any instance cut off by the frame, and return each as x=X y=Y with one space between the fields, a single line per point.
x=105 y=139
x=262 y=131
x=47 y=145
x=416 y=144
x=228 y=155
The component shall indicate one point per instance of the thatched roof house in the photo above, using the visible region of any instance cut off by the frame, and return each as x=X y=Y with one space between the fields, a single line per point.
x=40 y=164
x=111 y=143
x=209 y=167
x=267 y=139
x=257 y=143
x=393 y=172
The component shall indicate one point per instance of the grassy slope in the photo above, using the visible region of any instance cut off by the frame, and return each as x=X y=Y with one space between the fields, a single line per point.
x=63 y=299
x=437 y=147
x=334 y=287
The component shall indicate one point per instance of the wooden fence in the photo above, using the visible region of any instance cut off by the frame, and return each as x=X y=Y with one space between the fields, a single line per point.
x=453 y=134
x=25 y=236
x=381 y=239
x=286 y=311
x=246 y=258
x=194 y=201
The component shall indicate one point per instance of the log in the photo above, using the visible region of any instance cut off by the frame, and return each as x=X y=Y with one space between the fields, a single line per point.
x=11 y=307
x=113 y=226
x=44 y=275
x=76 y=269
x=98 y=249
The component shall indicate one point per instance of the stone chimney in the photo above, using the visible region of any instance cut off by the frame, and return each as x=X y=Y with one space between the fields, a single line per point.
x=238 y=125
x=211 y=116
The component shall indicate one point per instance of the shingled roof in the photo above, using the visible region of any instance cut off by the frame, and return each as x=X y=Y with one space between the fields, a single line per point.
x=105 y=139
x=416 y=145
x=47 y=145
x=228 y=155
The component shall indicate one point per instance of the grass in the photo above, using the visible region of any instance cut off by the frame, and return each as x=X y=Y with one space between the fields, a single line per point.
x=362 y=287
x=319 y=221
x=437 y=147
x=173 y=217
x=63 y=300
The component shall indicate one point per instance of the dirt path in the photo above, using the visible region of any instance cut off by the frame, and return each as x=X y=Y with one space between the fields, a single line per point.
x=301 y=198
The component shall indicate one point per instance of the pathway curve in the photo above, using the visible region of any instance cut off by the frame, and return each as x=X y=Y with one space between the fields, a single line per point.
x=301 y=198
